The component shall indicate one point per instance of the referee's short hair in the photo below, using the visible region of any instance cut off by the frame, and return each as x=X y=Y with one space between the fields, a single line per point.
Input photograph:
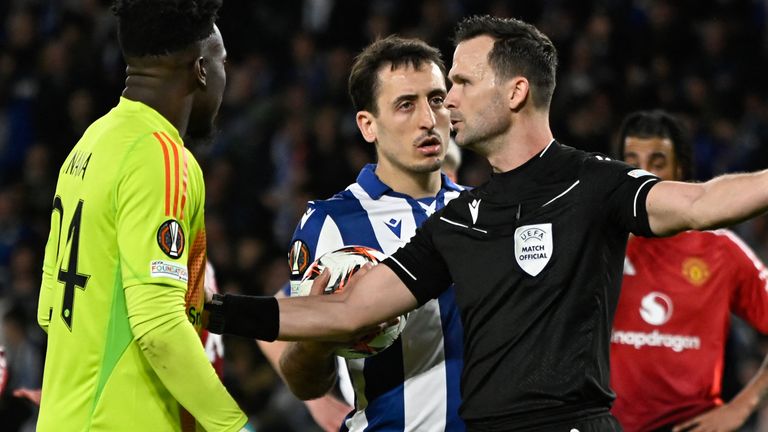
x=394 y=51
x=520 y=49
x=162 y=27
x=659 y=124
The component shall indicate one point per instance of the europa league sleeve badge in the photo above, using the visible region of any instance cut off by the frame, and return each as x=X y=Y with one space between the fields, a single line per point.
x=170 y=238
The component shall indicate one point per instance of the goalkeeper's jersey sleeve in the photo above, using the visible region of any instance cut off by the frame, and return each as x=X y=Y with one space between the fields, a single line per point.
x=122 y=287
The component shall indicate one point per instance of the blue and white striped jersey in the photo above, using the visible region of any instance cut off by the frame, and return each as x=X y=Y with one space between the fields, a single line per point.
x=414 y=384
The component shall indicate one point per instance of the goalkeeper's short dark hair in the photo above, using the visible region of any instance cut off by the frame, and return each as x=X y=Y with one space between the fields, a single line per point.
x=394 y=51
x=161 y=27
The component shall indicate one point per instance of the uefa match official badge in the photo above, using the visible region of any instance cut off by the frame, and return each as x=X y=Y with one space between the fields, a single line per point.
x=533 y=247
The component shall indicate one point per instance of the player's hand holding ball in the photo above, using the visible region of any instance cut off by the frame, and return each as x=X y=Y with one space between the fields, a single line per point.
x=330 y=274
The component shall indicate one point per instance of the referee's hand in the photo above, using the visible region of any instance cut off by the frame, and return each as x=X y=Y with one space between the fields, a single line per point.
x=320 y=282
x=362 y=334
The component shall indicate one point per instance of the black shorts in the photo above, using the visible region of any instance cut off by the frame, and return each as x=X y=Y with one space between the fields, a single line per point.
x=603 y=422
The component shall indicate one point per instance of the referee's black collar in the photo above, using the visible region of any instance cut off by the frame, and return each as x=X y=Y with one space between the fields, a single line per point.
x=549 y=150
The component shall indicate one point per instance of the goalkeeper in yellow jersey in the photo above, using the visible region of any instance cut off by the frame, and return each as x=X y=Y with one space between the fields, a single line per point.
x=122 y=286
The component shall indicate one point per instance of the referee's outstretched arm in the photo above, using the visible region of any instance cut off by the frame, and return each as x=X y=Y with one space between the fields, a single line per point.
x=379 y=297
x=381 y=293
x=726 y=200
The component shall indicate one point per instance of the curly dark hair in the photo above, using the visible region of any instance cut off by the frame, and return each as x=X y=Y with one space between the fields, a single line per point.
x=393 y=50
x=520 y=49
x=161 y=27
x=659 y=124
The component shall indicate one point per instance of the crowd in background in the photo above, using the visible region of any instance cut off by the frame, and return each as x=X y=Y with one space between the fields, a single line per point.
x=287 y=131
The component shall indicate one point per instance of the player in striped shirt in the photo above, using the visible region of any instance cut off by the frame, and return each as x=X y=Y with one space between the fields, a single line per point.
x=677 y=296
x=122 y=286
x=398 y=87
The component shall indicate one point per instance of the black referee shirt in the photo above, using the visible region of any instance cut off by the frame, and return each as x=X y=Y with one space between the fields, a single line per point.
x=536 y=255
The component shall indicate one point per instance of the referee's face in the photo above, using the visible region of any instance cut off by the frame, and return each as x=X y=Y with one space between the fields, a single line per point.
x=479 y=113
x=412 y=126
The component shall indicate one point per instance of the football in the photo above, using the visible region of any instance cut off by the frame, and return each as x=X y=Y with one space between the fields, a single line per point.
x=343 y=263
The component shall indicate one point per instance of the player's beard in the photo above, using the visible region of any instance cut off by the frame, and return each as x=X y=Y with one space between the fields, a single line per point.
x=201 y=134
x=427 y=167
x=490 y=123
x=419 y=167
x=396 y=158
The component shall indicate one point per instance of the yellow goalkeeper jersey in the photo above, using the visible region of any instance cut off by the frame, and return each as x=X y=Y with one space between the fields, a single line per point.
x=122 y=287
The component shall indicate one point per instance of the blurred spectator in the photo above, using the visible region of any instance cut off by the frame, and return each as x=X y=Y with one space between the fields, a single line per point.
x=286 y=135
x=24 y=364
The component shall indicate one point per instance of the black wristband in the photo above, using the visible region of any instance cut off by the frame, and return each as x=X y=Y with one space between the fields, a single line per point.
x=216 y=315
x=247 y=316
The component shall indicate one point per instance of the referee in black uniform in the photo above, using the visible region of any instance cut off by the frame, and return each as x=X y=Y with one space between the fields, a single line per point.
x=537 y=251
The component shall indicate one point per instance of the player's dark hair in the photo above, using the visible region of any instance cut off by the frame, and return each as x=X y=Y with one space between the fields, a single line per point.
x=161 y=27
x=520 y=49
x=393 y=50
x=659 y=124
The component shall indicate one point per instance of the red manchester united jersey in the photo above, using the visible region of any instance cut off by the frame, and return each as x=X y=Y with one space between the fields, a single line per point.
x=672 y=322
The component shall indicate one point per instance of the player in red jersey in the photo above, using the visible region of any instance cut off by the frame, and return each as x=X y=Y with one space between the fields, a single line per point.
x=673 y=315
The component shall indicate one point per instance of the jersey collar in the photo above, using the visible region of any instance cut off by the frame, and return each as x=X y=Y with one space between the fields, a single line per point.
x=375 y=188
x=129 y=105
x=544 y=154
